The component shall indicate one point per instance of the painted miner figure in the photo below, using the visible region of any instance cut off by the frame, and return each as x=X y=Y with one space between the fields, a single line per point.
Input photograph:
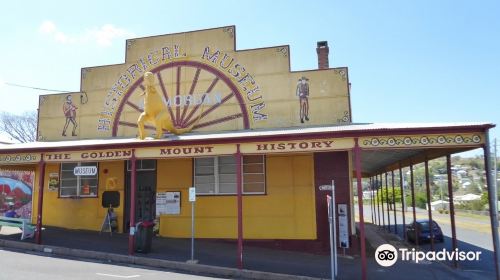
x=302 y=92
x=69 y=110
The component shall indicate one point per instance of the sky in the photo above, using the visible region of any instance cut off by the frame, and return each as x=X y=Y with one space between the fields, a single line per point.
x=409 y=61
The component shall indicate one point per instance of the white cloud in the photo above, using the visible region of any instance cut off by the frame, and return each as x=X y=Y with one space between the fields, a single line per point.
x=102 y=36
x=47 y=27
x=60 y=37
x=107 y=33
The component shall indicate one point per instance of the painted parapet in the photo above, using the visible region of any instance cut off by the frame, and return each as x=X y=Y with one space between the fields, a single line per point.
x=206 y=83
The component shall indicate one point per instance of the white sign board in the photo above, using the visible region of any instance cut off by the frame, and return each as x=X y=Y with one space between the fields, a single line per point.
x=168 y=203
x=325 y=187
x=85 y=170
x=192 y=194
x=343 y=226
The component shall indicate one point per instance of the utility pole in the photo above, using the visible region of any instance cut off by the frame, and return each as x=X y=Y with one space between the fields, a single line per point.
x=495 y=168
x=493 y=200
x=403 y=190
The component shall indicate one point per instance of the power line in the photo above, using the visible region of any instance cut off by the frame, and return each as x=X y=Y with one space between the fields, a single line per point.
x=35 y=88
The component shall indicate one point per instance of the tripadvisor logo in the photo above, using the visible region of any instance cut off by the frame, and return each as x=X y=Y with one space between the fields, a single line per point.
x=387 y=255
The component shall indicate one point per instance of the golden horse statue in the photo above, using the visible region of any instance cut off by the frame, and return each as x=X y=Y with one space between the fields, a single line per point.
x=156 y=111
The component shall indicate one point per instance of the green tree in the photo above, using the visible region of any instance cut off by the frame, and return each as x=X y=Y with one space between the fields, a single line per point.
x=473 y=188
x=385 y=196
x=420 y=200
x=476 y=163
x=484 y=198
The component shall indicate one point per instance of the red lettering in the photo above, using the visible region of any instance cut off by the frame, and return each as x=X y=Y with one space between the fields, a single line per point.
x=328 y=143
x=303 y=145
x=316 y=144
x=261 y=147
x=165 y=151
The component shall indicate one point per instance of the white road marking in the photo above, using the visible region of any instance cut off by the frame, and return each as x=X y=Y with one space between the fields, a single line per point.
x=118 y=276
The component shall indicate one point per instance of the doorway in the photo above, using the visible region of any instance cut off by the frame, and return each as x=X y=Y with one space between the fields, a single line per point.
x=145 y=198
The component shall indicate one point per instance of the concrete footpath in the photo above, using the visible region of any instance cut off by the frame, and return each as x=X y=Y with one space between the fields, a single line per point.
x=218 y=258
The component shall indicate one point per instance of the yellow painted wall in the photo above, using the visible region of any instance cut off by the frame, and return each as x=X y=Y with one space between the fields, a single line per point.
x=287 y=211
x=84 y=213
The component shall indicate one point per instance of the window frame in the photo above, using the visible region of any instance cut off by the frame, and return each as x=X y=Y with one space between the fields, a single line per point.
x=264 y=174
x=139 y=163
x=78 y=181
x=216 y=175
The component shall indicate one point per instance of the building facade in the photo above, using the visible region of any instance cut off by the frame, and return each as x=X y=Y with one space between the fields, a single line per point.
x=256 y=140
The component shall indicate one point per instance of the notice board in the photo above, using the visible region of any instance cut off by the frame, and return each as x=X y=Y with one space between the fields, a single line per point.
x=168 y=203
x=343 y=226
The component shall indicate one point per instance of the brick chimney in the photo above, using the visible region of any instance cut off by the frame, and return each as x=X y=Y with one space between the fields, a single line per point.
x=322 y=50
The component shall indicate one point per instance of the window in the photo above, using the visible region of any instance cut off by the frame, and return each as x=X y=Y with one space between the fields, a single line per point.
x=77 y=186
x=142 y=165
x=254 y=175
x=217 y=175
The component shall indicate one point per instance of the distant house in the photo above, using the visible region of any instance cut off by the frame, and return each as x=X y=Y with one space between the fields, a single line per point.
x=466 y=198
x=440 y=177
x=461 y=173
x=439 y=204
x=367 y=195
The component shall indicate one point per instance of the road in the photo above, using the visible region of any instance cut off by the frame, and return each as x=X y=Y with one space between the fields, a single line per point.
x=473 y=234
x=22 y=266
x=470 y=230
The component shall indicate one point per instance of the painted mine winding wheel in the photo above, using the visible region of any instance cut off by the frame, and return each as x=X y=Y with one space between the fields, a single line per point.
x=199 y=95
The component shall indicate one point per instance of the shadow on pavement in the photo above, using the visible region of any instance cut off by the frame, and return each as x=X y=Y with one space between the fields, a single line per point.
x=223 y=254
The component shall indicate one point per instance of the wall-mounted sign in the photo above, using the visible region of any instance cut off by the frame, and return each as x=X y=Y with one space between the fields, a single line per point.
x=53 y=182
x=85 y=170
x=325 y=187
x=168 y=203
x=16 y=190
x=19 y=158
x=430 y=140
x=192 y=194
x=205 y=81
x=343 y=226
x=298 y=146
x=185 y=151
x=89 y=155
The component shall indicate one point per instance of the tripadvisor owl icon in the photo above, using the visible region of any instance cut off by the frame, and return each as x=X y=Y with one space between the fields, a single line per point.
x=386 y=255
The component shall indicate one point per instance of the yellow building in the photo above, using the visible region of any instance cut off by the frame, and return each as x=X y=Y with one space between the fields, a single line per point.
x=262 y=141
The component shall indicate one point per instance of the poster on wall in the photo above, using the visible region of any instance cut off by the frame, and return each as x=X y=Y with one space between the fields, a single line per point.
x=53 y=182
x=16 y=191
x=168 y=203
x=343 y=226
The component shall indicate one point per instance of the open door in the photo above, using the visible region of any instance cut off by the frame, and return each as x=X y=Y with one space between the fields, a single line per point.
x=146 y=191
